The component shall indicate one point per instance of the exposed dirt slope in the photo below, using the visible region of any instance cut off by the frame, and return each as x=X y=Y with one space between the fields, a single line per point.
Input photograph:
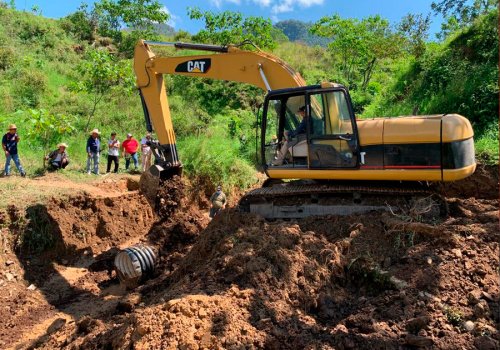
x=360 y=282
x=72 y=278
x=25 y=191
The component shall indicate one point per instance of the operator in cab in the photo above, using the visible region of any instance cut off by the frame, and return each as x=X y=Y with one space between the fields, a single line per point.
x=293 y=137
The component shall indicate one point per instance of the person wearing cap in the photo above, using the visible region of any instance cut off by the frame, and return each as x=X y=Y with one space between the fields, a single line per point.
x=129 y=150
x=113 y=152
x=9 y=145
x=289 y=135
x=146 y=152
x=93 y=150
x=217 y=202
x=58 y=158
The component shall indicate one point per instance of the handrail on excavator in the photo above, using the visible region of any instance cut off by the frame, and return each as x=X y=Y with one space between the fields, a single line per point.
x=191 y=46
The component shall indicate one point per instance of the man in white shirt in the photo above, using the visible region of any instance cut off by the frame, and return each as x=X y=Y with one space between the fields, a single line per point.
x=113 y=152
x=146 y=152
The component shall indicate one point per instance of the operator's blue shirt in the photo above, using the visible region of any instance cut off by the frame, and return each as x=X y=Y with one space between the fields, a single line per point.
x=93 y=145
x=9 y=140
x=301 y=129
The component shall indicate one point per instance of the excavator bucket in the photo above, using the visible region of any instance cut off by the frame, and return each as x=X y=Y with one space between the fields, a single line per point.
x=152 y=179
x=165 y=173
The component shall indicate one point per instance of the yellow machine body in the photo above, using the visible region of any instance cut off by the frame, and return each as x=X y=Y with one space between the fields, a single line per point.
x=416 y=148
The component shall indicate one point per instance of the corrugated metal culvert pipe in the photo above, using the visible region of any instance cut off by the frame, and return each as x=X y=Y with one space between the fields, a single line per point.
x=135 y=264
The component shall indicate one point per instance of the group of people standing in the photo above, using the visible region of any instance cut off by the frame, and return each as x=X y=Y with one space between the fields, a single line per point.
x=129 y=149
x=59 y=159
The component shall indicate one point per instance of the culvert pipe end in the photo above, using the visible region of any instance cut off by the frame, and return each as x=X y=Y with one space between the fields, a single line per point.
x=135 y=264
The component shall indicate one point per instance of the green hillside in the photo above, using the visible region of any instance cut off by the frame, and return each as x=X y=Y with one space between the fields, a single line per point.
x=60 y=78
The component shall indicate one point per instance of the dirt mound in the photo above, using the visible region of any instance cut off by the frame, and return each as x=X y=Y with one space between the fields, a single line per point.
x=170 y=196
x=482 y=184
x=56 y=261
x=85 y=222
x=358 y=282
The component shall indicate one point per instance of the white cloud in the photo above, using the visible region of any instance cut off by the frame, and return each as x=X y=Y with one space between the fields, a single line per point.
x=278 y=6
x=288 y=5
x=309 y=3
x=264 y=3
x=284 y=6
x=172 y=21
x=219 y=3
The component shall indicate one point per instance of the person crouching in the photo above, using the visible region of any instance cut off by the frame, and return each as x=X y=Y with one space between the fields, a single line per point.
x=58 y=158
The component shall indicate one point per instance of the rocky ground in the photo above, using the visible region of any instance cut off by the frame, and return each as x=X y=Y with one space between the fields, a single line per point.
x=372 y=281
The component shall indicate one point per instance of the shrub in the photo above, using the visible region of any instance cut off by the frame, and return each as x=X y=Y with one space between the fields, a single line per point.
x=7 y=57
x=487 y=145
x=214 y=158
x=79 y=24
x=457 y=76
x=30 y=87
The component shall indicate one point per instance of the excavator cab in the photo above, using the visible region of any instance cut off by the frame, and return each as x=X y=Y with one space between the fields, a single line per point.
x=330 y=140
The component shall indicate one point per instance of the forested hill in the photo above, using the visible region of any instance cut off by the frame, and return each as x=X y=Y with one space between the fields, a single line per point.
x=59 y=78
x=299 y=31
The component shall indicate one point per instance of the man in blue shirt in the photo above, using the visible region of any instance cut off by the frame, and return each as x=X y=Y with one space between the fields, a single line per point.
x=93 y=149
x=297 y=134
x=9 y=145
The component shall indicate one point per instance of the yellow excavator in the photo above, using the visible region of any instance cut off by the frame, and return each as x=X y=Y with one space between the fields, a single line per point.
x=340 y=164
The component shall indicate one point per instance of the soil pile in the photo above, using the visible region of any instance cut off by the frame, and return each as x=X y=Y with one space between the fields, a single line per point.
x=72 y=276
x=86 y=222
x=482 y=184
x=169 y=197
x=358 y=282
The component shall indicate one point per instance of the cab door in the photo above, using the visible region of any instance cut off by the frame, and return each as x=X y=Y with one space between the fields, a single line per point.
x=332 y=134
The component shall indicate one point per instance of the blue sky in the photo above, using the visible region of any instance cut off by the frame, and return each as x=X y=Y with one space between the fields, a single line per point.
x=305 y=10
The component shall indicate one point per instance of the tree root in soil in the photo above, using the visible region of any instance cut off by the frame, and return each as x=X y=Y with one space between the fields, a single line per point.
x=393 y=224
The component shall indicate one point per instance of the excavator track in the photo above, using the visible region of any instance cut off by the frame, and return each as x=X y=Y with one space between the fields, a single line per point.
x=303 y=200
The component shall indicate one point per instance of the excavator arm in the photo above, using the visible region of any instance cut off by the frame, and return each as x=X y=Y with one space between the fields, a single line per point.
x=229 y=63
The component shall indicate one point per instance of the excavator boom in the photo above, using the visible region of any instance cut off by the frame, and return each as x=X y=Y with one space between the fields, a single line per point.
x=260 y=69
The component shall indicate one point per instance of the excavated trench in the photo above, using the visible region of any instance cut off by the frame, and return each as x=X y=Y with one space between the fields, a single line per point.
x=356 y=282
x=56 y=262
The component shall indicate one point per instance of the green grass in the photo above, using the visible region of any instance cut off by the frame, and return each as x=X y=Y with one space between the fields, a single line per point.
x=487 y=146
x=215 y=159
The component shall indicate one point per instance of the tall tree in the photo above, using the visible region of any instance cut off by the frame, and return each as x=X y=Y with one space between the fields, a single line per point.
x=359 y=44
x=98 y=75
x=415 y=29
x=110 y=17
x=465 y=11
x=83 y=23
x=230 y=27
x=134 y=14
